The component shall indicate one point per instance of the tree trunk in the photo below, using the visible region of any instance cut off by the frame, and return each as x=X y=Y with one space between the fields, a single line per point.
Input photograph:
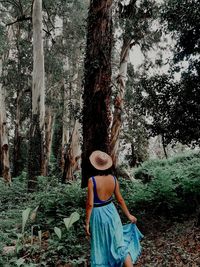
x=65 y=125
x=118 y=104
x=4 y=146
x=36 y=149
x=17 y=138
x=71 y=151
x=57 y=142
x=97 y=85
x=17 y=165
x=72 y=154
x=127 y=13
x=164 y=146
x=49 y=125
x=133 y=160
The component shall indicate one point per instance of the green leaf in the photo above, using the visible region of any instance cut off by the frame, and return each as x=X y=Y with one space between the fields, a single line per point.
x=60 y=248
x=20 y=261
x=19 y=235
x=58 y=232
x=33 y=214
x=71 y=220
x=25 y=215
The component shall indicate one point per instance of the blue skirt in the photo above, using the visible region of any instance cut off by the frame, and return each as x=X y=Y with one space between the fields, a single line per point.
x=111 y=242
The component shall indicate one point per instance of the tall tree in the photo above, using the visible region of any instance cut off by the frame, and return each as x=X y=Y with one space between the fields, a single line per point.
x=36 y=150
x=72 y=90
x=135 y=20
x=4 y=143
x=20 y=88
x=18 y=68
x=97 y=83
x=4 y=146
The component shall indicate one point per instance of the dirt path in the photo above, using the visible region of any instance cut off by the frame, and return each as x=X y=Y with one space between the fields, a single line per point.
x=170 y=245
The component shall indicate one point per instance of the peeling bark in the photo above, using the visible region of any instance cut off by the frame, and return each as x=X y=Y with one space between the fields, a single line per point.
x=118 y=103
x=38 y=87
x=4 y=145
x=57 y=141
x=71 y=151
x=127 y=13
x=65 y=125
x=49 y=125
x=72 y=154
x=36 y=147
x=97 y=85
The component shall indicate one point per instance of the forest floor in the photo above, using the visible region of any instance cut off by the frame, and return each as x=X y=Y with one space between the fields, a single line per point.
x=165 y=244
x=170 y=244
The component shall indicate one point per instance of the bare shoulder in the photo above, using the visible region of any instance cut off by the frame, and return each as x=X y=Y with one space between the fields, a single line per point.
x=90 y=183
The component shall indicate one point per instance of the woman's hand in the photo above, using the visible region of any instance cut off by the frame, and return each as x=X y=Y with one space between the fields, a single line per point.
x=132 y=218
x=87 y=229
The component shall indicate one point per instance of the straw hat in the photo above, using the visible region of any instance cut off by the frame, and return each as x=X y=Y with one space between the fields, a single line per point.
x=100 y=160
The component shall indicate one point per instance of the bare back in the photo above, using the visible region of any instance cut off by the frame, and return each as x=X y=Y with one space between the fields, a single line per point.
x=105 y=186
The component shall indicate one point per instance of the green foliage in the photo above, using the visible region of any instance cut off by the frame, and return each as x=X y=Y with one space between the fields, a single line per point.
x=172 y=107
x=54 y=228
x=15 y=195
x=169 y=186
x=25 y=215
x=135 y=131
x=183 y=19
x=57 y=201
x=136 y=19
x=71 y=220
x=58 y=232
x=55 y=211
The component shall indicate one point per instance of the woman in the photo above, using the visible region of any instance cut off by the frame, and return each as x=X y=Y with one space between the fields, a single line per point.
x=111 y=243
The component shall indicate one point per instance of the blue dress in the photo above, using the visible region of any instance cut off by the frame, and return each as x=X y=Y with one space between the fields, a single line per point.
x=111 y=242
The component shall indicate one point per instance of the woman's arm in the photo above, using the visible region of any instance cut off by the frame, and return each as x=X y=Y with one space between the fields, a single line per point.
x=89 y=204
x=122 y=204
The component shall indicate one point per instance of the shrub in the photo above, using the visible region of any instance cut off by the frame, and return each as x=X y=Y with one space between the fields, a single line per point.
x=173 y=185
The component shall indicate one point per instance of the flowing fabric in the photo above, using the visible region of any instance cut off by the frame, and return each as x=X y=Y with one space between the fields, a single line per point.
x=111 y=242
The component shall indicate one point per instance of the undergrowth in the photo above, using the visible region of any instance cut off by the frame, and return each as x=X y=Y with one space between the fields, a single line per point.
x=162 y=188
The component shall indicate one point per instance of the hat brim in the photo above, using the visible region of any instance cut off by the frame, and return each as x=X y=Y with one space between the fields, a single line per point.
x=102 y=167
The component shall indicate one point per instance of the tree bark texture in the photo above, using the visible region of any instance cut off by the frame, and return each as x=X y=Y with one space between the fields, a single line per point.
x=65 y=124
x=72 y=154
x=71 y=150
x=49 y=125
x=97 y=84
x=38 y=87
x=126 y=14
x=4 y=146
x=35 y=153
x=164 y=145
x=36 y=148
x=57 y=141
x=17 y=139
x=17 y=162
x=118 y=103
